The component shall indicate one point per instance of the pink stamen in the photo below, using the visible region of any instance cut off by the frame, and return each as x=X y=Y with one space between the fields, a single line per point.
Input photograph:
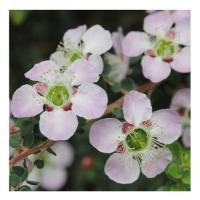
x=48 y=108
x=67 y=106
x=168 y=59
x=41 y=88
x=121 y=148
x=13 y=130
x=126 y=128
x=151 y=53
x=171 y=34
x=181 y=111
x=147 y=123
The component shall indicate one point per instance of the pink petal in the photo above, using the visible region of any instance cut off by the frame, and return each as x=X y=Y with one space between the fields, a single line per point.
x=179 y=15
x=43 y=72
x=169 y=125
x=26 y=102
x=64 y=154
x=181 y=62
x=186 y=137
x=155 y=69
x=135 y=43
x=158 y=164
x=181 y=99
x=97 y=63
x=136 y=108
x=158 y=23
x=58 y=124
x=74 y=36
x=182 y=30
x=122 y=169
x=104 y=134
x=97 y=40
x=83 y=72
x=53 y=178
x=117 y=38
x=90 y=101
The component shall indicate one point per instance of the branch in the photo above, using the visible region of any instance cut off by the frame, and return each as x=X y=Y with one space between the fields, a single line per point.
x=25 y=152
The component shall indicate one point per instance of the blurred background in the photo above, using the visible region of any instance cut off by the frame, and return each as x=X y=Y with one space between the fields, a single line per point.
x=34 y=35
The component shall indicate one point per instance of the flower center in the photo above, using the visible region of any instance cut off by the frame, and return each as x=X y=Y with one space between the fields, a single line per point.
x=137 y=140
x=58 y=95
x=74 y=56
x=165 y=48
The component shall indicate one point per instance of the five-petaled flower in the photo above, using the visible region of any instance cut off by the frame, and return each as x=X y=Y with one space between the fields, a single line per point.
x=64 y=94
x=165 y=46
x=85 y=45
x=181 y=103
x=139 y=142
x=118 y=62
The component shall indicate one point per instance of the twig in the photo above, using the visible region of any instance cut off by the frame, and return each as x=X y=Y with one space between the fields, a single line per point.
x=28 y=151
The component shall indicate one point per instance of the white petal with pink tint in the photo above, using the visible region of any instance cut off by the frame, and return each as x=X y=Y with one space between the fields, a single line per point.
x=59 y=58
x=158 y=23
x=155 y=69
x=169 y=125
x=44 y=71
x=181 y=99
x=182 y=30
x=97 y=63
x=186 y=137
x=74 y=36
x=58 y=124
x=83 y=72
x=26 y=102
x=179 y=15
x=181 y=61
x=122 y=169
x=136 y=108
x=97 y=40
x=104 y=134
x=135 y=43
x=90 y=101
x=158 y=165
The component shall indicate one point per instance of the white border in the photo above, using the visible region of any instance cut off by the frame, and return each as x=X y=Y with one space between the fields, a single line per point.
x=95 y=4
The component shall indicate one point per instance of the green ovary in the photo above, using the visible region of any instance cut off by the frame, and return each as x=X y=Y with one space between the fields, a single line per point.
x=74 y=56
x=137 y=140
x=58 y=95
x=165 y=48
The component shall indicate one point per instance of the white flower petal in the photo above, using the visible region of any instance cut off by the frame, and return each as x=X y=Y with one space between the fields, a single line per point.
x=97 y=40
x=58 y=124
x=90 y=101
x=97 y=63
x=59 y=58
x=26 y=102
x=104 y=134
x=122 y=169
x=136 y=108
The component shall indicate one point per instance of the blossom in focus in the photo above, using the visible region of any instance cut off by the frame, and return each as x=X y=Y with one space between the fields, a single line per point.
x=54 y=174
x=181 y=103
x=118 y=62
x=87 y=45
x=164 y=46
x=139 y=142
x=63 y=95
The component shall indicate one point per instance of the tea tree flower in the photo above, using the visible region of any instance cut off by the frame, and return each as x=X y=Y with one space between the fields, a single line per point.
x=164 y=46
x=181 y=103
x=85 y=45
x=118 y=62
x=54 y=174
x=139 y=142
x=63 y=95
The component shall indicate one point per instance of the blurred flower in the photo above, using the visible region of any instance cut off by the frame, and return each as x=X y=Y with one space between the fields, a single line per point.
x=85 y=45
x=87 y=162
x=139 y=142
x=62 y=100
x=165 y=47
x=54 y=174
x=181 y=103
x=118 y=62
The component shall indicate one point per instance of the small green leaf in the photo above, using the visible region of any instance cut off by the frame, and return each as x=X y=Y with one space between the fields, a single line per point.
x=14 y=180
x=39 y=163
x=28 y=140
x=176 y=150
x=21 y=172
x=128 y=84
x=32 y=182
x=173 y=171
x=117 y=112
x=26 y=126
x=186 y=177
x=51 y=151
x=116 y=87
x=15 y=141
x=24 y=188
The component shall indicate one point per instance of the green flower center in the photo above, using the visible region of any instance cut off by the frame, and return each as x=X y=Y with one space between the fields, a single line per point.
x=137 y=140
x=58 y=95
x=165 y=48
x=74 y=56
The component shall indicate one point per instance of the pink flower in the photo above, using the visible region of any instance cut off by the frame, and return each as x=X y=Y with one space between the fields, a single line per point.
x=139 y=142
x=164 y=46
x=63 y=94
x=181 y=103
x=85 y=45
x=118 y=62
